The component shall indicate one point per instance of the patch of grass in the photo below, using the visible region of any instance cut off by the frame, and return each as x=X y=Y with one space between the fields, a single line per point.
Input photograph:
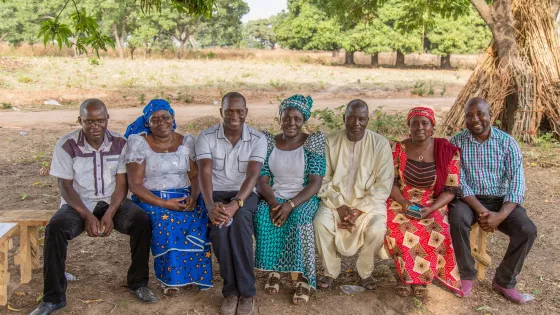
x=6 y=105
x=94 y=61
x=25 y=79
x=142 y=99
x=279 y=86
x=130 y=82
x=443 y=90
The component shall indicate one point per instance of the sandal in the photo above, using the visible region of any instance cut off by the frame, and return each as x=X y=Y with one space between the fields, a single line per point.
x=170 y=291
x=403 y=289
x=369 y=284
x=301 y=295
x=272 y=285
x=420 y=290
x=325 y=283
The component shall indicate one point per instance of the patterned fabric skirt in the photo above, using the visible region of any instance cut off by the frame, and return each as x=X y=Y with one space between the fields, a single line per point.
x=291 y=247
x=422 y=249
x=180 y=244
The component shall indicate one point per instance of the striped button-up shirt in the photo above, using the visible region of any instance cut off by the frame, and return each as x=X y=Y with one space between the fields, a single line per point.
x=491 y=168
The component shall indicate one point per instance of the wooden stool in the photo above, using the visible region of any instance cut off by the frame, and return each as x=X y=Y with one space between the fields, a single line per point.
x=7 y=230
x=478 y=250
x=26 y=223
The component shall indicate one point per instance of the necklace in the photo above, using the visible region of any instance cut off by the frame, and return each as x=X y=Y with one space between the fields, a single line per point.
x=421 y=155
x=165 y=145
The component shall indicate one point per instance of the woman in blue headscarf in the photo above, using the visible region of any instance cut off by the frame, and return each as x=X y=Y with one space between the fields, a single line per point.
x=290 y=179
x=163 y=177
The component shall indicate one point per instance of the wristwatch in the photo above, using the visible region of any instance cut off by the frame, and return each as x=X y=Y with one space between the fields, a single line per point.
x=239 y=201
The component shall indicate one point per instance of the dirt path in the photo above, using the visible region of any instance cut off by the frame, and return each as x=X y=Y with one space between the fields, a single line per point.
x=259 y=110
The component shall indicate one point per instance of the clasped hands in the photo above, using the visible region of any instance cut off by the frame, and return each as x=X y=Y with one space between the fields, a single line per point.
x=348 y=217
x=426 y=211
x=180 y=204
x=279 y=213
x=220 y=213
x=489 y=220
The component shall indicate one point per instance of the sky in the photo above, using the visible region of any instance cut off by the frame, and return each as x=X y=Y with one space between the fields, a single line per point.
x=261 y=9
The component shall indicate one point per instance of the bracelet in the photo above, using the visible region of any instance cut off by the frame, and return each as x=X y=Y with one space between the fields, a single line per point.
x=291 y=203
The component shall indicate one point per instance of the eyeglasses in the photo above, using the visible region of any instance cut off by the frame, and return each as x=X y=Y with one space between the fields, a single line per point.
x=91 y=122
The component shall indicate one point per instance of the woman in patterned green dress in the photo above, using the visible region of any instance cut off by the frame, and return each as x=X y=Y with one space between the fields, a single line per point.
x=290 y=179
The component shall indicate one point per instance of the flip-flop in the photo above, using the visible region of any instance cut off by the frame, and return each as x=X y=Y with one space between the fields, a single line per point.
x=272 y=285
x=369 y=284
x=302 y=293
x=420 y=291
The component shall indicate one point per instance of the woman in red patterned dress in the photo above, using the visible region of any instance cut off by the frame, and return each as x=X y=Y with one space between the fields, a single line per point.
x=426 y=175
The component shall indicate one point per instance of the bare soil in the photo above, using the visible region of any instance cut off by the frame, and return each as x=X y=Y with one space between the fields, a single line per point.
x=27 y=138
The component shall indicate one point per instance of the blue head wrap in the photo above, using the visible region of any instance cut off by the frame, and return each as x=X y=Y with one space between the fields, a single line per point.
x=141 y=124
x=299 y=102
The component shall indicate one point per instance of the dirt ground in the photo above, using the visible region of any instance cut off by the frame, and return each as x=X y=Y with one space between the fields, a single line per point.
x=27 y=138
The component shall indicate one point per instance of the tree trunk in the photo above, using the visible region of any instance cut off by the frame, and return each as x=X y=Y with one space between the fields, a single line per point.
x=400 y=60
x=120 y=48
x=349 y=58
x=181 y=48
x=445 y=62
x=375 y=60
x=132 y=49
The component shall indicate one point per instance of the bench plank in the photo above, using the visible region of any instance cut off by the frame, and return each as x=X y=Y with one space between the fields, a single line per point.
x=27 y=217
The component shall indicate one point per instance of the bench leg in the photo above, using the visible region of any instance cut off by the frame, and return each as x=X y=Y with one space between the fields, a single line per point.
x=4 y=273
x=24 y=260
x=35 y=247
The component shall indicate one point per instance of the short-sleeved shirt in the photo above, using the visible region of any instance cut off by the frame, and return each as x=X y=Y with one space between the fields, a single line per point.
x=493 y=167
x=163 y=170
x=229 y=163
x=93 y=171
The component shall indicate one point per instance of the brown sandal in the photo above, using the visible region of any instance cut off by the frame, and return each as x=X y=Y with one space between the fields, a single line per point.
x=369 y=284
x=420 y=290
x=403 y=289
x=272 y=285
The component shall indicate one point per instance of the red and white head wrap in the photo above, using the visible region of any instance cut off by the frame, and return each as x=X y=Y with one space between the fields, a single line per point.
x=421 y=111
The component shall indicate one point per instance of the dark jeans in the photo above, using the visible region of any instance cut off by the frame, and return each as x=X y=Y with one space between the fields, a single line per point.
x=521 y=230
x=233 y=246
x=67 y=224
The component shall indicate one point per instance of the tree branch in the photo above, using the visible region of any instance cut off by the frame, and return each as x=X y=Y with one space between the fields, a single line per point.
x=484 y=10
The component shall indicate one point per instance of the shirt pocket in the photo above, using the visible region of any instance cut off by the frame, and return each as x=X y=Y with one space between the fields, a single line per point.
x=243 y=161
x=218 y=159
x=112 y=162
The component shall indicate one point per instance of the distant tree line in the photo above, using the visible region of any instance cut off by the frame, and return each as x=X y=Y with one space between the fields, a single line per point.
x=305 y=26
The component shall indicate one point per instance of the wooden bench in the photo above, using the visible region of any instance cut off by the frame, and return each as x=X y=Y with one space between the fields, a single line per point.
x=478 y=250
x=24 y=223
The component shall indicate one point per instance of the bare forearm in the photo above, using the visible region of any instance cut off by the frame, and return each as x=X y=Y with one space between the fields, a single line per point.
x=442 y=200
x=72 y=198
x=473 y=202
x=265 y=190
x=507 y=208
x=309 y=191
x=396 y=194
x=145 y=194
x=117 y=198
x=247 y=187
x=206 y=188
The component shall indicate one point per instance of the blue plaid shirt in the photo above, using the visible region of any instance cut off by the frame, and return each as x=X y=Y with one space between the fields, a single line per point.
x=491 y=168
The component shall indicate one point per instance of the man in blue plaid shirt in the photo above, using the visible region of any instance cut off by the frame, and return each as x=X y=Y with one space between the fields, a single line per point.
x=493 y=184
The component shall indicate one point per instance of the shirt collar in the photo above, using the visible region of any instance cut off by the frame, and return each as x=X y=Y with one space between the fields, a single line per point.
x=245 y=133
x=107 y=140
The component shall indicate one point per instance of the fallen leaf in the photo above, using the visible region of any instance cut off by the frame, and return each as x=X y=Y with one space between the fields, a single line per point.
x=38 y=299
x=19 y=293
x=483 y=308
x=24 y=196
x=536 y=291
x=92 y=301
x=13 y=309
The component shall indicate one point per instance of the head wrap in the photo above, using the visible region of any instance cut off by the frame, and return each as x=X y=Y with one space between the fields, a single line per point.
x=421 y=111
x=141 y=124
x=299 y=102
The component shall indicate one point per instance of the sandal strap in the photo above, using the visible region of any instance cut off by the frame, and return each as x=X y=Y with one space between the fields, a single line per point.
x=273 y=276
x=303 y=296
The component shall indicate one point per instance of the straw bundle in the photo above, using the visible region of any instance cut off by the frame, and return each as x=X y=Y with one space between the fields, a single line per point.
x=534 y=77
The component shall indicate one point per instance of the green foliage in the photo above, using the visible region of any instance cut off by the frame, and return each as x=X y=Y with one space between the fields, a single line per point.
x=392 y=126
x=224 y=28
x=260 y=33
x=466 y=35
x=93 y=61
x=6 y=105
x=306 y=27
x=25 y=79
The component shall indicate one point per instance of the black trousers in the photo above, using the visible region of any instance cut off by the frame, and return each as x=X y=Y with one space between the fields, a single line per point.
x=233 y=246
x=67 y=224
x=521 y=230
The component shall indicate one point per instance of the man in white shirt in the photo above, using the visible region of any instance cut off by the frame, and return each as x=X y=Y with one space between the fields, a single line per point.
x=93 y=187
x=230 y=157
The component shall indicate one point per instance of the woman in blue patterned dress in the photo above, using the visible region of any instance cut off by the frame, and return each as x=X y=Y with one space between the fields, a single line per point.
x=162 y=175
x=290 y=179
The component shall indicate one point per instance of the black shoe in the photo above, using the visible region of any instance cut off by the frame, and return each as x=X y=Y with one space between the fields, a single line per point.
x=46 y=308
x=145 y=295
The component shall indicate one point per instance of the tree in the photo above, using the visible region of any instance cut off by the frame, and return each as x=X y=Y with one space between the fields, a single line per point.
x=260 y=33
x=224 y=28
x=307 y=28
x=525 y=76
x=466 y=35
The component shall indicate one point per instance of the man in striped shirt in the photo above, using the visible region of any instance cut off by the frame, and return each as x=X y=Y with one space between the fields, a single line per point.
x=493 y=186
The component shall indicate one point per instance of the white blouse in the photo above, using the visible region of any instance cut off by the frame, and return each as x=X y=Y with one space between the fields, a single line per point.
x=288 y=168
x=163 y=170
